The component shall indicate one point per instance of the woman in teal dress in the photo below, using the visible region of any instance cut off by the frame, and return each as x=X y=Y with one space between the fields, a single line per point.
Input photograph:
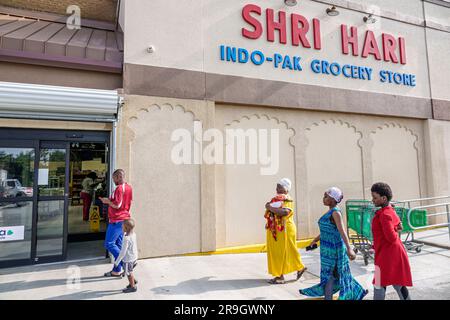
x=335 y=251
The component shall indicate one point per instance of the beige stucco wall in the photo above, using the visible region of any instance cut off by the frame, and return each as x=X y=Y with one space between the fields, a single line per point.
x=394 y=160
x=202 y=207
x=241 y=189
x=333 y=158
x=438 y=49
x=438 y=161
x=173 y=204
x=331 y=149
x=189 y=33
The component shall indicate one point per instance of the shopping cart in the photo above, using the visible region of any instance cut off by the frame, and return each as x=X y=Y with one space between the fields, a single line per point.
x=359 y=219
x=418 y=218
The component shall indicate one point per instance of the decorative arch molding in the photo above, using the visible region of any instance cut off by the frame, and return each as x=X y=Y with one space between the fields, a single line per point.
x=338 y=122
x=388 y=125
x=333 y=121
x=137 y=115
x=268 y=118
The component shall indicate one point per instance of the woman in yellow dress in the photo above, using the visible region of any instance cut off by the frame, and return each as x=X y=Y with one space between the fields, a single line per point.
x=282 y=254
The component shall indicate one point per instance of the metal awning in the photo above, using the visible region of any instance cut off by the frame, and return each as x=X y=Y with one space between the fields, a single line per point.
x=43 y=39
x=32 y=101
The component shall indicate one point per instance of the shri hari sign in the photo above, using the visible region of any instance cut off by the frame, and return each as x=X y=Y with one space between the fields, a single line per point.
x=307 y=34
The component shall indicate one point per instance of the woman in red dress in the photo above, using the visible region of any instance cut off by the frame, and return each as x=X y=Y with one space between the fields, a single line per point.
x=391 y=260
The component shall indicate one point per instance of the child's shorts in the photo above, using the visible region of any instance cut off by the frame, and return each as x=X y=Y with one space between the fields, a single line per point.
x=128 y=267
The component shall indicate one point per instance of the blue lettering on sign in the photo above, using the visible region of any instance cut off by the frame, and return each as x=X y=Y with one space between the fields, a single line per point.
x=242 y=55
x=297 y=65
x=315 y=66
x=335 y=69
x=387 y=76
x=277 y=59
x=345 y=71
x=287 y=63
x=324 y=67
x=257 y=57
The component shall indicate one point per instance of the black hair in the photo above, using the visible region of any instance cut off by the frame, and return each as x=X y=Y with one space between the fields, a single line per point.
x=382 y=189
x=92 y=175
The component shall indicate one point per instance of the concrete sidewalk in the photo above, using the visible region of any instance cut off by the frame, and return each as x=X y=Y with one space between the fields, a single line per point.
x=438 y=237
x=224 y=277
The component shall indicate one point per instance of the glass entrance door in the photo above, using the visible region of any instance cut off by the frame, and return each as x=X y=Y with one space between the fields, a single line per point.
x=35 y=174
x=17 y=194
x=51 y=207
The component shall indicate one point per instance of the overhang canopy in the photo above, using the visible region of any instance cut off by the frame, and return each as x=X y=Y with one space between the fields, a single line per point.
x=31 y=101
x=45 y=39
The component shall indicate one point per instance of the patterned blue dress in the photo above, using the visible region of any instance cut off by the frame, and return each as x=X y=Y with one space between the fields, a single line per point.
x=334 y=260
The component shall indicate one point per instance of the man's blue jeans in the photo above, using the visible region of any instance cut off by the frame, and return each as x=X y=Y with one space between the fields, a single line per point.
x=113 y=241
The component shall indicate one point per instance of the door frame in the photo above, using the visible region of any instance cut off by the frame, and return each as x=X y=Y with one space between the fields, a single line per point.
x=32 y=138
x=47 y=144
x=7 y=143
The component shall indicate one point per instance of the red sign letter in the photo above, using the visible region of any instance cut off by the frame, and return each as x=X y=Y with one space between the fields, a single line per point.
x=370 y=46
x=389 y=46
x=317 y=39
x=346 y=40
x=299 y=32
x=272 y=25
x=402 y=47
x=252 y=21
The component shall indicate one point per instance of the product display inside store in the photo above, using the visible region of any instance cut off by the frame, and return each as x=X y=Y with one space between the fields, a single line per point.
x=88 y=182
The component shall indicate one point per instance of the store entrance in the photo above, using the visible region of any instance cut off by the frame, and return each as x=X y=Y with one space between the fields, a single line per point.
x=87 y=216
x=47 y=178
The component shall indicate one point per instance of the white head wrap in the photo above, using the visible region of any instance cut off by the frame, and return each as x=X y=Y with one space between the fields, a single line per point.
x=286 y=183
x=335 y=193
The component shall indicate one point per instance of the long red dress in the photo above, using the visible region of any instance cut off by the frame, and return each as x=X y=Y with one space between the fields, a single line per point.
x=391 y=260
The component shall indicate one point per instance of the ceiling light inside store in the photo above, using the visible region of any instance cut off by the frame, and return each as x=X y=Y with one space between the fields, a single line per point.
x=332 y=11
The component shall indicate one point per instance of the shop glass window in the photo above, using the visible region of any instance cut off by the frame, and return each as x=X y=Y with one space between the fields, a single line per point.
x=52 y=172
x=16 y=172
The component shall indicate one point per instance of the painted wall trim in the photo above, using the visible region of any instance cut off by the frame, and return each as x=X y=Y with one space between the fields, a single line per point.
x=253 y=248
x=441 y=109
x=186 y=84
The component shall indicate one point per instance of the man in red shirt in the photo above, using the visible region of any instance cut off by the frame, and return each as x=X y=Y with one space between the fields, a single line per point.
x=118 y=211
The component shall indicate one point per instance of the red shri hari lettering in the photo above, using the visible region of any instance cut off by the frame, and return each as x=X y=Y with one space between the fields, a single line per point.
x=370 y=46
x=305 y=33
x=277 y=23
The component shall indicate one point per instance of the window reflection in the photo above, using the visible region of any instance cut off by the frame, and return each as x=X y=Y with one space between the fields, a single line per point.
x=50 y=228
x=52 y=172
x=16 y=227
x=16 y=172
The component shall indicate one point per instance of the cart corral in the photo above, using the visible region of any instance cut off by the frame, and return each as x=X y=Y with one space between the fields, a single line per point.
x=415 y=214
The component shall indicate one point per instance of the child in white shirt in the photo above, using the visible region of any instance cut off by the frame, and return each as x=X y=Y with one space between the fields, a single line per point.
x=128 y=254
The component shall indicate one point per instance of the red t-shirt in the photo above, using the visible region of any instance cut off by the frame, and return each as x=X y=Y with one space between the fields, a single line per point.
x=122 y=198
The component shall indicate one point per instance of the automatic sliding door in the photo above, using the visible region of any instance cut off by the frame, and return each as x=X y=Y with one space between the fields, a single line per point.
x=17 y=175
x=52 y=202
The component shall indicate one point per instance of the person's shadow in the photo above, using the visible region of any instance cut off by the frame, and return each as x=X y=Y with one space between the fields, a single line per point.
x=85 y=295
x=205 y=284
x=38 y=284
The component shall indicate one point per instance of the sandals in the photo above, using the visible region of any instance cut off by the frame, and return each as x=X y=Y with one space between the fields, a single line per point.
x=135 y=283
x=111 y=275
x=276 y=281
x=300 y=273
